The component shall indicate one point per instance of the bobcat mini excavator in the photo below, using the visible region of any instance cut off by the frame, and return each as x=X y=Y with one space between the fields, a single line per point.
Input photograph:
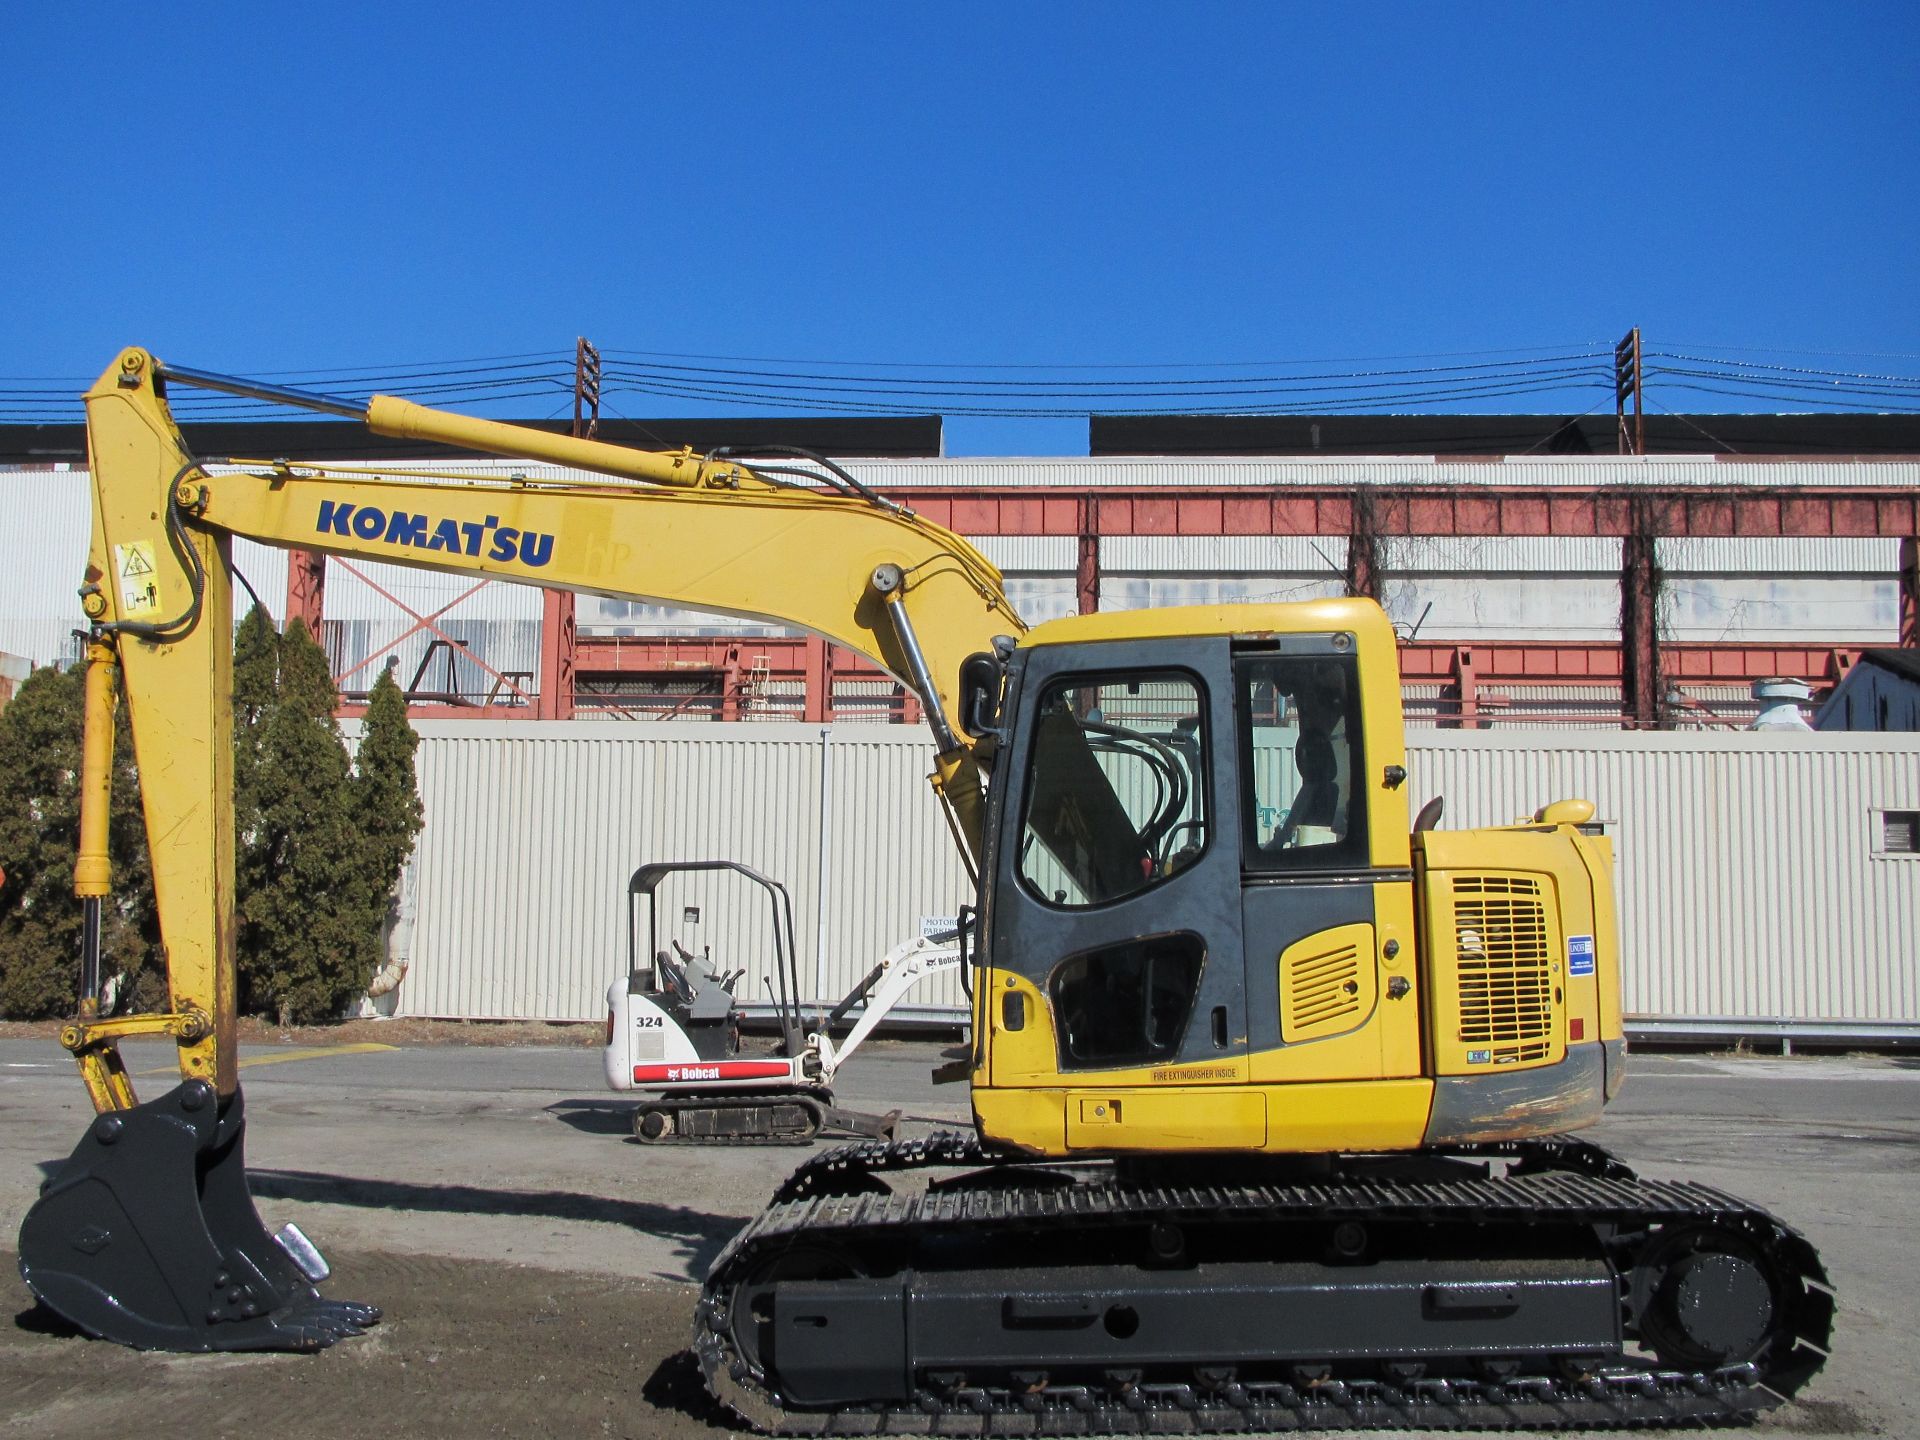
x=1271 y=1087
x=674 y=1024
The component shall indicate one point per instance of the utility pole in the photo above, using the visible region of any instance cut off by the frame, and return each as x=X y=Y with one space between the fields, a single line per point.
x=1626 y=382
x=586 y=389
x=1642 y=674
x=559 y=640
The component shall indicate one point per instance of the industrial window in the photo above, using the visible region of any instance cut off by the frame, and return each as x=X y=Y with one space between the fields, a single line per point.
x=1898 y=833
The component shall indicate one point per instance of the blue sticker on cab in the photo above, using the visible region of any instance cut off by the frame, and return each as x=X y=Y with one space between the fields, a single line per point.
x=1579 y=955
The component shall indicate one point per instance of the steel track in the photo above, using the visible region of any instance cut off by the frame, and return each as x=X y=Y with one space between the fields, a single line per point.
x=836 y=1202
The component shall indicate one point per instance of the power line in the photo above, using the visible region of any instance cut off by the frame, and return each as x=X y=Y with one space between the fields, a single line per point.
x=1585 y=346
x=1791 y=350
x=1316 y=405
x=1832 y=402
x=732 y=383
x=1049 y=391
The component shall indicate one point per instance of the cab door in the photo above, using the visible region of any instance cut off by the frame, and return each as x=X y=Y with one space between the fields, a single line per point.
x=1114 y=939
x=1329 y=930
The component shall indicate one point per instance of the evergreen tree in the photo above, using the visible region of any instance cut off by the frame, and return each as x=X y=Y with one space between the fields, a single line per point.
x=304 y=943
x=40 y=920
x=386 y=799
x=320 y=845
x=256 y=680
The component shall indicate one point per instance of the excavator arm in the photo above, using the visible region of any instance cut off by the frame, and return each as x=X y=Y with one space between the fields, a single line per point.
x=807 y=548
x=671 y=528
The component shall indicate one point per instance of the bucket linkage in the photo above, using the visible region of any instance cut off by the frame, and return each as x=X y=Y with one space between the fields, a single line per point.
x=148 y=1237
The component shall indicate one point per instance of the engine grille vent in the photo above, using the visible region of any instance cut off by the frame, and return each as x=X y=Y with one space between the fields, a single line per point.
x=1504 y=966
x=1323 y=990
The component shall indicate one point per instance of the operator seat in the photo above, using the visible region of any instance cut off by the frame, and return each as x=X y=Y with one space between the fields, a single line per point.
x=709 y=1004
x=1315 y=806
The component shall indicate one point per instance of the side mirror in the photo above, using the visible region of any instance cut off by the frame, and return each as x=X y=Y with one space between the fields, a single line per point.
x=981 y=678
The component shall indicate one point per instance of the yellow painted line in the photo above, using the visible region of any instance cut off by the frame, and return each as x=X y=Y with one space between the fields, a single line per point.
x=280 y=1057
x=318 y=1052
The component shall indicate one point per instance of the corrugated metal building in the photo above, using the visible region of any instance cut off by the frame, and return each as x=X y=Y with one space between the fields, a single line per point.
x=1470 y=590
x=1757 y=887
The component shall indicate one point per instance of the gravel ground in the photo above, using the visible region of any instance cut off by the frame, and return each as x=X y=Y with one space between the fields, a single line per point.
x=538 y=1269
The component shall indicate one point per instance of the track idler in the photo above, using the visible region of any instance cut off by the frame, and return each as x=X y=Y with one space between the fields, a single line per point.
x=148 y=1237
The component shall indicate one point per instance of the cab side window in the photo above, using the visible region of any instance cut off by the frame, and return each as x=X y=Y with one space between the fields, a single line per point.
x=1300 y=748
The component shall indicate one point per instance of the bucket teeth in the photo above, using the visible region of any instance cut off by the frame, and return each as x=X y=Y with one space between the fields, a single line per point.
x=310 y=1325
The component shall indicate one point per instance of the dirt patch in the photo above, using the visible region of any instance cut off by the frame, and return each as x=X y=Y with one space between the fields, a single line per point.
x=470 y=1349
x=255 y=1031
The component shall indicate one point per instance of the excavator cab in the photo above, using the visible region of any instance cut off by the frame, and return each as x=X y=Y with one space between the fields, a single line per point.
x=1211 y=927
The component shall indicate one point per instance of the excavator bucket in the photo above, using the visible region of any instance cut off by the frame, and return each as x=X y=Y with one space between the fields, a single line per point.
x=148 y=1236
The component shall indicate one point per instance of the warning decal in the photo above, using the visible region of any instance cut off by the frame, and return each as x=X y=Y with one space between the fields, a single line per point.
x=139 y=594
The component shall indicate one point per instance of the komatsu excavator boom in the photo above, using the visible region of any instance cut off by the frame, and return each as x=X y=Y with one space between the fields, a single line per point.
x=1270 y=1085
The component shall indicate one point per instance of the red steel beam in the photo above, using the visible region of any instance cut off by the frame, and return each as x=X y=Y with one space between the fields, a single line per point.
x=1538 y=662
x=1910 y=591
x=559 y=648
x=787 y=655
x=1086 y=573
x=1493 y=664
x=1683 y=512
x=1597 y=662
x=306 y=588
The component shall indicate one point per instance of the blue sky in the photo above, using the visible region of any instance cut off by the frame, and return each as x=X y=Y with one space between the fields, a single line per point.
x=260 y=188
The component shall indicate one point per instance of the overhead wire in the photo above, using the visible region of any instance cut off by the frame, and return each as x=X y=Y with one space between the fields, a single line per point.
x=1408 y=389
x=1066 y=387
x=1580 y=373
x=1593 y=346
x=1340 y=401
x=1694 y=424
x=518 y=377
x=1785 y=369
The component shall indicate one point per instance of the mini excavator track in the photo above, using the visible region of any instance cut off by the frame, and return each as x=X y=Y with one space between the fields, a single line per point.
x=775 y=1117
x=1540 y=1285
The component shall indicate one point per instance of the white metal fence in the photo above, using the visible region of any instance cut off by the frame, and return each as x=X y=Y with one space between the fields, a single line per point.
x=1753 y=886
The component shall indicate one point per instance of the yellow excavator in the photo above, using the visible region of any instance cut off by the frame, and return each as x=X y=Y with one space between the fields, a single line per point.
x=1271 y=1085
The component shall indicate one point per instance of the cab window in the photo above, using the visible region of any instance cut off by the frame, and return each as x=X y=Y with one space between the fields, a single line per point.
x=1116 y=794
x=1300 y=762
